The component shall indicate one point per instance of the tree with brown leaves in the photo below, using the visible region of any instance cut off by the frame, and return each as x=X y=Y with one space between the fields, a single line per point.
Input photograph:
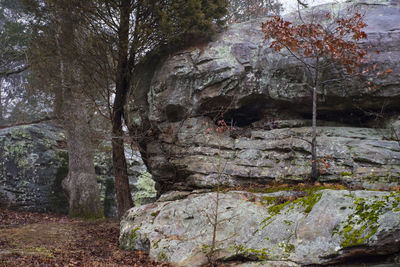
x=319 y=47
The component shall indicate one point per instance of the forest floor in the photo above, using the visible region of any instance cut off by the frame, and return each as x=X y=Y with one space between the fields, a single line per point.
x=35 y=239
x=43 y=240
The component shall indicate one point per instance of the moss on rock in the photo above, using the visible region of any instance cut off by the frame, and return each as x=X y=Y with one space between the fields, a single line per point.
x=361 y=225
x=307 y=203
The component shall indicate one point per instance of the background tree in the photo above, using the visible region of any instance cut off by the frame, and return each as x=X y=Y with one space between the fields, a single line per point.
x=55 y=65
x=83 y=49
x=13 y=39
x=133 y=29
x=243 y=10
x=319 y=46
x=13 y=43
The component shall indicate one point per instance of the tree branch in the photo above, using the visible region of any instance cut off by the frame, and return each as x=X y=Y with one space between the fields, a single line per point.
x=14 y=71
x=303 y=4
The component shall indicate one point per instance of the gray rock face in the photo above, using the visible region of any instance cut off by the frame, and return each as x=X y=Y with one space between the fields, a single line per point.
x=34 y=161
x=32 y=166
x=266 y=98
x=265 y=95
x=239 y=69
x=361 y=157
x=324 y=227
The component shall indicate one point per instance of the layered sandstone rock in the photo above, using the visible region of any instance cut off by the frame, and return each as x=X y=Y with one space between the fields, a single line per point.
x=265 y=96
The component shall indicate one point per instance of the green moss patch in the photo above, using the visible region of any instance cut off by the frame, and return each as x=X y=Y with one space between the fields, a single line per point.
x=130 y=239
x=307 y=203
x=262 y=254
x=363 y=223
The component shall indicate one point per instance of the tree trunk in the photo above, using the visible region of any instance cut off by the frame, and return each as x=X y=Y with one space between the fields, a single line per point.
x=80 y=183
x=124 y=198
x=1 y=100
x=122 y=190
x=314 y=164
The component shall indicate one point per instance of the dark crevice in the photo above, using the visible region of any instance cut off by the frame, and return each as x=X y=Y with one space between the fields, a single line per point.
x=241 y=258
x=176 y=176
x=214 y=107
x=250 y=111
x=175 y=113
x=256 y=108
x=204 y=61
x=369 y=260
x=352 y=117
x=367 y=161
x=241 y=117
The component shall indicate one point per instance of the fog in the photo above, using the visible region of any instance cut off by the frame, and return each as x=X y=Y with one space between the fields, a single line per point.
x=292 y=5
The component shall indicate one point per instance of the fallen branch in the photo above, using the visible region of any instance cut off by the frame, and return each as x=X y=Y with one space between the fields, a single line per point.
x=14 y=71
x=27 y=122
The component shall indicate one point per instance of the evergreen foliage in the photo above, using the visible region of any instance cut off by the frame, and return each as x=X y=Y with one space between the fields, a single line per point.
x=14 y=38
x=116 y=35
x=183 y=21
x=244 y=10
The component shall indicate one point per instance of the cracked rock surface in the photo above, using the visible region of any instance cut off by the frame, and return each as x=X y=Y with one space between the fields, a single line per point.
x=265 y=96
x=322 y=227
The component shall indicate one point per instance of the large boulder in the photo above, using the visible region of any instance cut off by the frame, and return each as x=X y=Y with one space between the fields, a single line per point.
x=321 y=227
x=265 y=95
x=238 y=69
x=33 y=164
x=34 y=161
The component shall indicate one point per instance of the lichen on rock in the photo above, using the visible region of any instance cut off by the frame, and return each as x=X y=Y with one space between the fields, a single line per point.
x=313 y=229
x=30 y=168
x=35 y=161
x=145 y=189
x=364 y=223
x=264 y=95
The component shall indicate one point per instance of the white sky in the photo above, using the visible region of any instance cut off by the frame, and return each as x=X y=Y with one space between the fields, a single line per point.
x=291 y=5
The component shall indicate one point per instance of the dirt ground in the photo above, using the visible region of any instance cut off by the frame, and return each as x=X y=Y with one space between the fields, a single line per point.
x=37 y=239
x=33 y=239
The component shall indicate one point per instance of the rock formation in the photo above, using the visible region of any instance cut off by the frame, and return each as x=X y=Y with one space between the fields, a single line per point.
x=264 y=95
x=32 y=168
x=264 y=98
x=34 y=161
x=324 y=227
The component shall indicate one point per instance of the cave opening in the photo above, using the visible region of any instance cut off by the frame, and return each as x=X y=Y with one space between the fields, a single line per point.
x=242 y=117
x=256 y=108
x=352 y=117
x=175 y=113
x=250 y=110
